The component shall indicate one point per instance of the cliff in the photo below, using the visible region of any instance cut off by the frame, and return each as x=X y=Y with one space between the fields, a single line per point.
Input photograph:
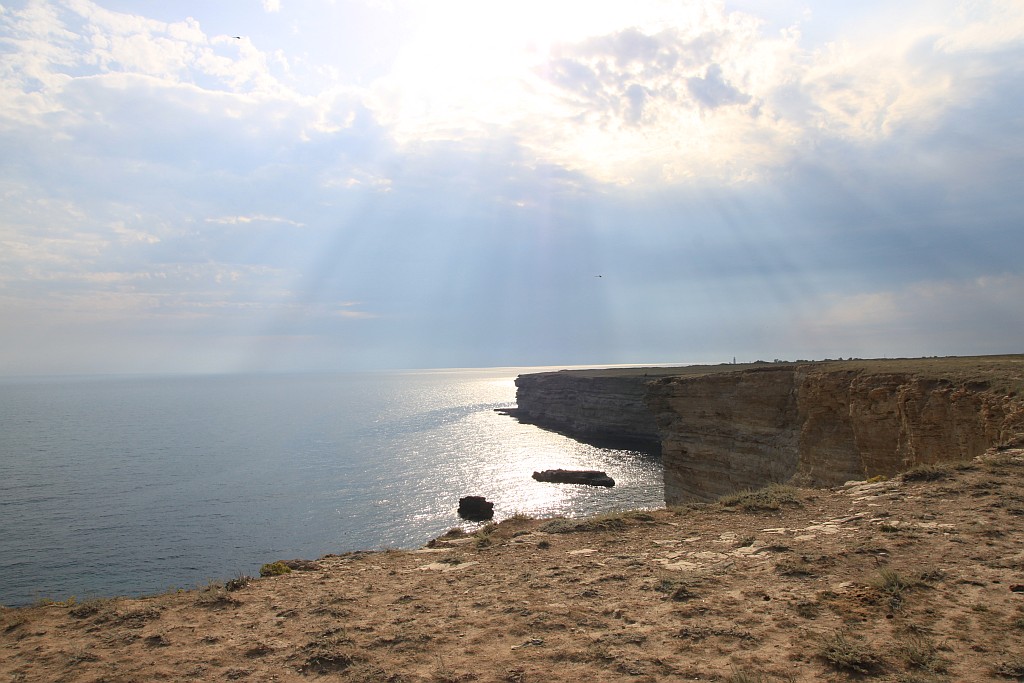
x=726 y=428
x=605 y=408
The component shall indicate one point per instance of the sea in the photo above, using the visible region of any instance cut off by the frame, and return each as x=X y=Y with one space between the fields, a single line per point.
x=139 y=485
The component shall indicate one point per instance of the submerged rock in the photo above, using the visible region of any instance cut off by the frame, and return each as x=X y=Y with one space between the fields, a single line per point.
x=587 y=477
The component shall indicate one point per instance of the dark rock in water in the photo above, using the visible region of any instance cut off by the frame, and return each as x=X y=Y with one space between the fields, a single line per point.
x=475 y=508
x=588 y=477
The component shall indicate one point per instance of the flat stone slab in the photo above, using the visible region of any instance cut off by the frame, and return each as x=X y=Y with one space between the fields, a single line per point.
x=586 y=477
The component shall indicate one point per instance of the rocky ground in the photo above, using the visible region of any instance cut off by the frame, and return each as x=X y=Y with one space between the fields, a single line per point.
x=918 y=578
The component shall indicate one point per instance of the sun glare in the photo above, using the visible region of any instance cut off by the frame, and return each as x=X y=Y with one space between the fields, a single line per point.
x=568 y=86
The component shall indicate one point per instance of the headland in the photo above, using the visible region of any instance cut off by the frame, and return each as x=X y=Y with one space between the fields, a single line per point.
x=725 y=428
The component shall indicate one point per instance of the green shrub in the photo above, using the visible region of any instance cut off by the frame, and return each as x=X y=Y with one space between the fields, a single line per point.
x=275 y=569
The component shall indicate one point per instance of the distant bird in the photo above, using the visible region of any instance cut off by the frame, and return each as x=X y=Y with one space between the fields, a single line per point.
x=599 y=276
x=237 y=37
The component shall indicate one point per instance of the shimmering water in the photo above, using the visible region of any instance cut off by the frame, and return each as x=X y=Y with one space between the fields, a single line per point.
x=129 y=486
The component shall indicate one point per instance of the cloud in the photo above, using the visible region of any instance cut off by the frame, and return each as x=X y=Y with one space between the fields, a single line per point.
x=258 y=218
x=713 y=91
x=271 y=5
x=687 y=95
x=936 y=317
x=735 y=182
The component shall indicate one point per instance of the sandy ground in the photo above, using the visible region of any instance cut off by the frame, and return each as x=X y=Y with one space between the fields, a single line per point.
x=919 y=578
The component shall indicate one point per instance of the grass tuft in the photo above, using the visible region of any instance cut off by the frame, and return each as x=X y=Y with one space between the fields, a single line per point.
x=772 y=497
x=894 y=586
x=845 y=654
x=237 y=583
x=609 y=522
x=1013 y=668
x=921 y=654
x=927 y=472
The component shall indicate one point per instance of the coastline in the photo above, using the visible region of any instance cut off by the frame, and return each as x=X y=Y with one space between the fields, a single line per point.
x=921 y=573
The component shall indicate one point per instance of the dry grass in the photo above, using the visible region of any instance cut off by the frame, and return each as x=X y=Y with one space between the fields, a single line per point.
x=928 y=472
x=772 y=497
x=894 y=586
x=848 y=653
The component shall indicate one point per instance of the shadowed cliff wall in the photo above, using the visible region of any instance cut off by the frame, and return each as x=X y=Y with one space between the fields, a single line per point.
x=605 y=411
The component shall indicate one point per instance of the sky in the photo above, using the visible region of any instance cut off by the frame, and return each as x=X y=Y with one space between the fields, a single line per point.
x=290 y=185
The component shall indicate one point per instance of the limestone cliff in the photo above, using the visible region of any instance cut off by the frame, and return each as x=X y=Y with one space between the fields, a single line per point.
x=726 y=428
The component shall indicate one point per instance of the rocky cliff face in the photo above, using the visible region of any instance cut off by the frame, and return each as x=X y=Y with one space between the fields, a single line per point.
x=725 y=432
x=815 y=424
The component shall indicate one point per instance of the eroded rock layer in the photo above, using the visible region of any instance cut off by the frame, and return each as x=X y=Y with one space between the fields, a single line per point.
x=727 y=428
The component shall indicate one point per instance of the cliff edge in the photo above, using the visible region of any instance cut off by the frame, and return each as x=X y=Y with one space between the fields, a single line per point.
x=721 y=429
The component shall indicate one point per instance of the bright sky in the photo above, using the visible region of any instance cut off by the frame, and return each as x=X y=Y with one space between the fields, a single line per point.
x=365 y=184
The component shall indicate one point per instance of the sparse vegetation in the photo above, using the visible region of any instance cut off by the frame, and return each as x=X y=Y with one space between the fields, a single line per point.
x=921 y=654
x=275 y=569
x=237 y=583
x=92 y=607
x=745 y=541
x=521 y=517
x=561 y=525
x=894 y=587
x=1002 y=461
x=772 y=497
x=214 y=594
x=1011 y=668
x=745 y=676
x=927 y=472
x=808 y=609
x=51 y=602
x=846 y=653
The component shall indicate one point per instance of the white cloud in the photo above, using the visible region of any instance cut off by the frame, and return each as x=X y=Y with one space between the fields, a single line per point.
x=75 y=41
x=359 y=179
x=272 y=5
x=660 y=92
x=256 y=218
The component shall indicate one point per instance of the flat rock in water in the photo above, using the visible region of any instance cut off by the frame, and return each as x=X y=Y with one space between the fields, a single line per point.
x=587 y=477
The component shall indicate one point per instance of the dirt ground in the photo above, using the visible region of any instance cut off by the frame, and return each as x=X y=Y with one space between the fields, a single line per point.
x=918 y=578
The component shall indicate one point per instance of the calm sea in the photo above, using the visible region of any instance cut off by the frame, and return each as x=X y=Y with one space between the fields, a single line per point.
x=126 y=486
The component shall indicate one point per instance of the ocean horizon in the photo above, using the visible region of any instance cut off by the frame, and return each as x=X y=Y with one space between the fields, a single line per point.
x=129 y=485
